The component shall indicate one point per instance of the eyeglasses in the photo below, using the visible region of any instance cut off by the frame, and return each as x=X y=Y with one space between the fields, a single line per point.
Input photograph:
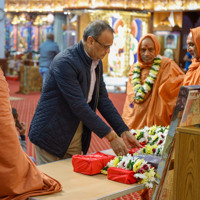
x=106 y=47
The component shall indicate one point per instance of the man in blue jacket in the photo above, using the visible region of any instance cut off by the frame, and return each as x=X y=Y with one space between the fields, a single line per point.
x=65 y=114
x=48 y=51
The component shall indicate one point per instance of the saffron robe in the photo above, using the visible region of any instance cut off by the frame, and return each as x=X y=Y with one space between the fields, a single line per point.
x=192 y=76
x=19 y=176
x=158 y=107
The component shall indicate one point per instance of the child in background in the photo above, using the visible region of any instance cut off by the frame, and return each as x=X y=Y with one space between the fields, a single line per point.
x=21 y=129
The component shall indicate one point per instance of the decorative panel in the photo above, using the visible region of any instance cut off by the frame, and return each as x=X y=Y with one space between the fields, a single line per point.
x=128 y=27
x=60 y=5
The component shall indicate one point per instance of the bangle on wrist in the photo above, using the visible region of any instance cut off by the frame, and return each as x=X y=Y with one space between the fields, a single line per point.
x=115 y=136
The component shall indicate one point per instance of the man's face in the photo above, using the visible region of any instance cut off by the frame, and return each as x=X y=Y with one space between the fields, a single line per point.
x=100 y=46
x=147 y=51
x=191 y=48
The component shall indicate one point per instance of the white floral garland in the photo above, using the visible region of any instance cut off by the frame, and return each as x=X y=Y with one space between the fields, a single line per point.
x=154 y=137
x=141 y=90
x=144 y=173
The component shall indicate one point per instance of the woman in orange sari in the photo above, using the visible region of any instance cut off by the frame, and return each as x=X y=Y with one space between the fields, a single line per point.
x=192 y=76
x=19 y=176
x=153 y=87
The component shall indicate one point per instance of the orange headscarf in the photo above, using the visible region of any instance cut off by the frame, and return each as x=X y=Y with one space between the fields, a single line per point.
x=157 y=48
x=192 y=77
x=19 y=176
x=196 y=38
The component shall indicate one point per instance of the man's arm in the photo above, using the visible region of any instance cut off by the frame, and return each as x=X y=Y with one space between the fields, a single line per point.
x=67 y=77
x=110 y=113
x=108 y=110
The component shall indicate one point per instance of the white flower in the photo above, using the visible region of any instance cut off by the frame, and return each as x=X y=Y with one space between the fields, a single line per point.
x=135 y=81
x=142 y=140
x=159 y=56
x=125 y=160
x=159 y=150
x=132 y=131
x=146 y=128
x=140 y=94
x=146 y=89
x=150 y=80
x=135 y=75
x=139 y=175
x=153 y=75
x=156 y=67
x=149 y=185
x=166 y=131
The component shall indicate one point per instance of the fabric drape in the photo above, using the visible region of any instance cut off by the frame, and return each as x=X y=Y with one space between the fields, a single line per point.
x=19 y=176
x=192 y=76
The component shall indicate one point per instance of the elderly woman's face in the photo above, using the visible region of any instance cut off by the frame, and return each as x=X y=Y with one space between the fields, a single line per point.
x=147 y=51
x=191 y=47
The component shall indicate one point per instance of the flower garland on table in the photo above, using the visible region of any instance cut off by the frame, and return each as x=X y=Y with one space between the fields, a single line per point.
x=144 y=173
x=139 y=89
x=154 y=137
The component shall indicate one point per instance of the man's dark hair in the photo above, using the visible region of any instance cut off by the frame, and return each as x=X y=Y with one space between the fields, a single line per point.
x=95 y=29
x=50 y=36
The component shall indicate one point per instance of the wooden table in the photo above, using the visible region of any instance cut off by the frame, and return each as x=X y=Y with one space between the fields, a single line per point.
x=78 y=186
x=186 y=165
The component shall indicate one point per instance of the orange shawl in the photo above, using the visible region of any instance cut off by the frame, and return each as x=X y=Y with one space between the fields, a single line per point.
x=19 y=176
x=192 y=77
x=158 y=108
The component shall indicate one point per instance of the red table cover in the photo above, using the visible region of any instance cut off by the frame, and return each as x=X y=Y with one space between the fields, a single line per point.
x=90 y=164
x=121 y=175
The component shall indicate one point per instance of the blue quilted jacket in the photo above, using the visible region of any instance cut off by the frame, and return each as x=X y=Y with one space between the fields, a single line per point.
x=63 y=104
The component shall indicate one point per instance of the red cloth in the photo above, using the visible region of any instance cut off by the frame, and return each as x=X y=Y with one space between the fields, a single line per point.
x=90 y=164
x=134 y=150
x=121 y=175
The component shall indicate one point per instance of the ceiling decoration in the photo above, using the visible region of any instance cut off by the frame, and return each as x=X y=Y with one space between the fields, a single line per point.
x=61 y=5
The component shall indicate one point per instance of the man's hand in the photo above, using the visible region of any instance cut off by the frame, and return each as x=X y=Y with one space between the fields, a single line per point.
x=117 y=144
x=130 y=140
x=119 y=147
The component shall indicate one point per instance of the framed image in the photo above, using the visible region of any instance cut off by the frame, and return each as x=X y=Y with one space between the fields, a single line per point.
x=191 y=114
x=184 y=40
x=170 y=41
